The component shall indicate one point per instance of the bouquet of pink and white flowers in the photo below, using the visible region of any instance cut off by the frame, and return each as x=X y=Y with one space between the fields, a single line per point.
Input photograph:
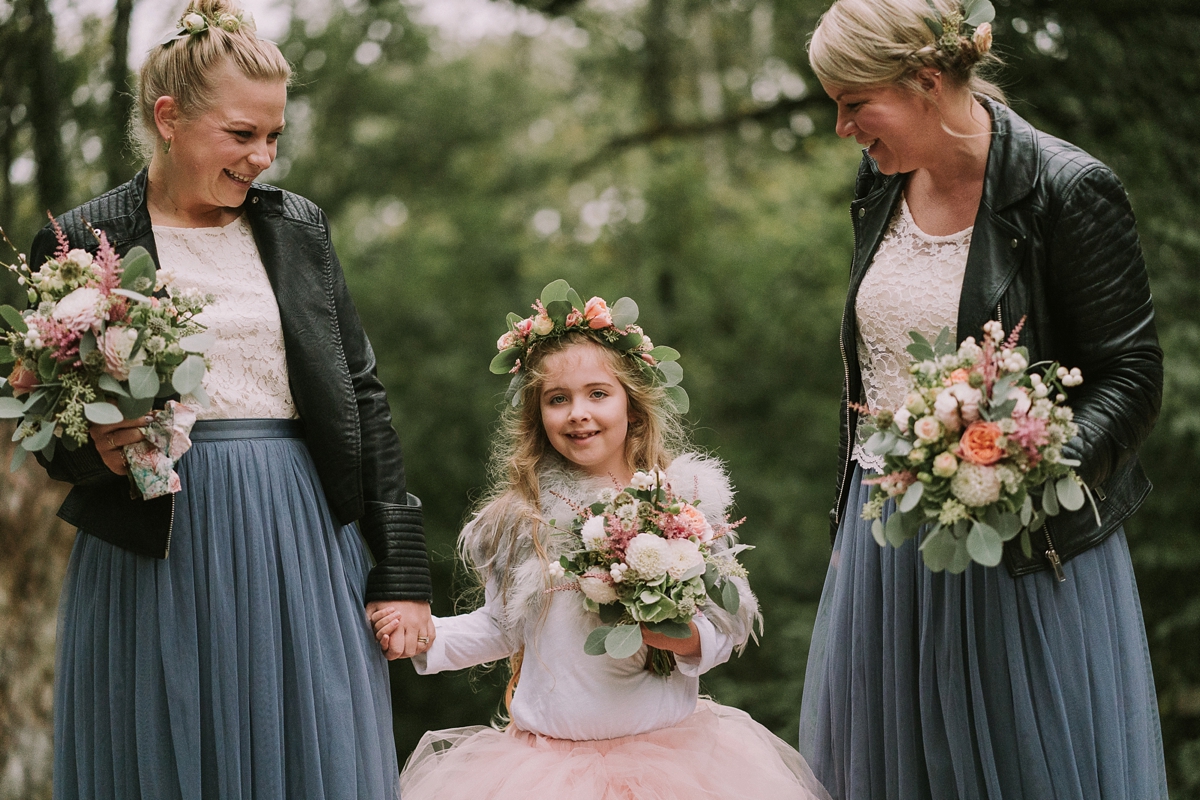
x=648 y=558
x=95 y=347
x=975 y=454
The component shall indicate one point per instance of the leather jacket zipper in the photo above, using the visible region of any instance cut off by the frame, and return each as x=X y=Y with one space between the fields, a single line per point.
x=1052 y=555
x=170 y=529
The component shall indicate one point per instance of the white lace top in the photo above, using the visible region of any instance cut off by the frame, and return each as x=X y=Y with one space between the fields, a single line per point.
x=914 y=283
x=248 y=376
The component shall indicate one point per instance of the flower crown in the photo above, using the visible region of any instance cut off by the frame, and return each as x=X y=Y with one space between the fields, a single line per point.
x=948 y=28
x=560 y=310
x=194 y=23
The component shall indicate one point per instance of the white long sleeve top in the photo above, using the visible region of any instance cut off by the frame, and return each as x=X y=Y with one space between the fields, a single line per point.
x=563 y=692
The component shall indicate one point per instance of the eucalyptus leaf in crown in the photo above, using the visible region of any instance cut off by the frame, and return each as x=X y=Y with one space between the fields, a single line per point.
x=560 y=310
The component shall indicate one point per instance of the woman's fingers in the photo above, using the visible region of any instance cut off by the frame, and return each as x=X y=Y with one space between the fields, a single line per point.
x=112 y=439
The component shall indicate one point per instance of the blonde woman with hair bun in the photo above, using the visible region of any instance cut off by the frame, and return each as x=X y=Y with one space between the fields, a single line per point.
x=1029 y=680
x=215 y=642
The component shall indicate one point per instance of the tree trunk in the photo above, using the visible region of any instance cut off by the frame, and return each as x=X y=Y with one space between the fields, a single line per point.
x=656 y=79
x=117 y=161
x=42 y=62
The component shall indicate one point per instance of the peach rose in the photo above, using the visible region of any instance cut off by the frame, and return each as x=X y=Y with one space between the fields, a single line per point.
x=958 y=376
x=983 y=37
x=22 y=380
x=927 y=429
x=979 y=443
x=597 y=314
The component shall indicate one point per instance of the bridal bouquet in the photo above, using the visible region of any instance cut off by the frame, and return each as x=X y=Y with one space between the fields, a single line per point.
x=647 y=557
x=975 y=453
x=94 y=347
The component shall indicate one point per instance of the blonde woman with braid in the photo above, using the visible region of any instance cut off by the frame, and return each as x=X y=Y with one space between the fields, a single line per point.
x=1030 y=680
x=215 y=643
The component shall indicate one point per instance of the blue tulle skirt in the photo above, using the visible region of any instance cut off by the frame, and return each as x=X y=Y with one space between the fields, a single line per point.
x=241 y=666
x=934 y=686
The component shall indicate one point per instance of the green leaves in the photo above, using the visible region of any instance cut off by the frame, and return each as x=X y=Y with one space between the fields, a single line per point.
x=504 y=361
x=624 y=312
x=911 y=497
x=137 y=273
x=143 y=382
x=679 y=399
x=985 y=545
x=11 y=408
x=102 y=413
x=978 y=12
x=671 y=628
x=188 y=375
x=1070 y=494
x=14 y=319
x=922 y=350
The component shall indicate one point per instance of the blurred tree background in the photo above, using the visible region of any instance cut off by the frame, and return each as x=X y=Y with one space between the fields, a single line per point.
x=677 y=151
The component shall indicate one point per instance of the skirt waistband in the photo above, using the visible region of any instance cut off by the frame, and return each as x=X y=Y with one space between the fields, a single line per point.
x=216 y=430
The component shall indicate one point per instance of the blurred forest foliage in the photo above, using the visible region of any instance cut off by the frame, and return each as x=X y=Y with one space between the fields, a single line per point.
x=677 y=151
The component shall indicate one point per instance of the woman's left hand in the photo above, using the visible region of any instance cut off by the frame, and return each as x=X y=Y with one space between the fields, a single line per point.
x=688 y=648
x=403 y=628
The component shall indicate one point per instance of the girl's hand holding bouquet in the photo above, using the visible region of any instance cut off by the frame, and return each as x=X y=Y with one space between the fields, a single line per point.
x=95 y=348
x=975 y=455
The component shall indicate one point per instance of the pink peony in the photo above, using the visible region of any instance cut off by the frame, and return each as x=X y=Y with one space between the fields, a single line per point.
x=597 y=314
x=695 y=523
x=116 y=345
x=80 y=310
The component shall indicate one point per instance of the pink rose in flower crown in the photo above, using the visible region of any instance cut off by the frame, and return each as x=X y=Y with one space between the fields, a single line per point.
x=508 y=340
x=695 y=523
x=22 y=380
x=542 y=324
x=524 y=327
x=80 y=310
x=597 y=314
x=574 y=318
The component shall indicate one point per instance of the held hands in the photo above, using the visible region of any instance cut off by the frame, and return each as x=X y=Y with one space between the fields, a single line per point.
x=403 y=628
x=111 y=439
x=688 y=648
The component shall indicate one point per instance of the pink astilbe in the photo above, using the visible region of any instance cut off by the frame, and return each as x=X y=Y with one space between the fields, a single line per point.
x=1015 y=335
x=60 y=338
x=64 y=246
x=107 y=266
x=1030 y=434
x=619 y=536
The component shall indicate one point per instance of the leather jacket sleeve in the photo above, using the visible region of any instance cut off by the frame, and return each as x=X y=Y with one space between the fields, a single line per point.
x=82 y=466
x=1103 y=317
x=392 y=519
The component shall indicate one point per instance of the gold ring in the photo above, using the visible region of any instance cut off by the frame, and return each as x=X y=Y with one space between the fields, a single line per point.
x=422 y=640
x=111 y=444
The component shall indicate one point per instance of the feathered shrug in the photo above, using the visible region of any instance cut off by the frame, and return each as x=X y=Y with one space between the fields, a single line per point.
x=563 y=692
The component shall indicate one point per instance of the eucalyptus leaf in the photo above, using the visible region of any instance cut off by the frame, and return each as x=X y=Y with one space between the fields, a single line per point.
x=198 y=342
x=731 y=600
x=200 y=396
x=594 y=644
x=877 y=532
x=504 y=361
x=944 y=346
x=624 y=312
x=111 y=385
x=11 y=408
x=1026 y=545
x=961 y=558
x=6 y=357
x=1002 y=411
x=1049 y=500
x=513 y=318
x=14 y=319
x=555 y=291
x=712 y=576
x=1026 y=512
x=47 y=366
x=679 y=399
x=889 y=441
x=18 y=459
x=189 y=375
x=575 y=300
x=937 y=548
x=136 y=297
x=920 y=349
x=134 y=407
x=102 y=413
x=911 y=497
x=671 y=628
x=664 y=353
x=893 y=529
x=672 y=372
x=983 y=12
x=1070 y=495
x=87 y=344
x=629 y=341
x=875 y=443
x=902 y=447
x=984 y=544
x=623 y=641
x=557 y=311
x=143 y=381
x=137 y=271
x=40 y=439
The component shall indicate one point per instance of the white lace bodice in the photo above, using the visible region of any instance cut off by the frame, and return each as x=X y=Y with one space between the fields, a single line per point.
x=248 y=374
x=914 y=283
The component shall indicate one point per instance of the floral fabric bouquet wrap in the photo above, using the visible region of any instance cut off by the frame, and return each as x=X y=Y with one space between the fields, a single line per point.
x=648 y=558
x=94 y=347
x=975 y=455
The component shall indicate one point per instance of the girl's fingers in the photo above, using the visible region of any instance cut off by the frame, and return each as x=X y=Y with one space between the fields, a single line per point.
x=386 y=630
x=385 y=642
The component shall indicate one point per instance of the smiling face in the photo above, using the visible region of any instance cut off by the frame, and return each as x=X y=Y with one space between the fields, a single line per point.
x=585 y=410
x=215 y=156
x=897 y=126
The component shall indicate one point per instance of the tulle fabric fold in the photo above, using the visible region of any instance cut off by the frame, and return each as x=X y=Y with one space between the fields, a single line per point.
x=241 y=666
x=717 y=753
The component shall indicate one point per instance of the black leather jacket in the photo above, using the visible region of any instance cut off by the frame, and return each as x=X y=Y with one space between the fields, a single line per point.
x=331 y=370
x=1054 y=242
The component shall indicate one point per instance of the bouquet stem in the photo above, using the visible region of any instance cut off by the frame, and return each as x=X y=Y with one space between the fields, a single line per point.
x=660 y=662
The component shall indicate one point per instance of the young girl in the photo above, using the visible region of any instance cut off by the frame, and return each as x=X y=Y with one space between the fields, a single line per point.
x=588 y=415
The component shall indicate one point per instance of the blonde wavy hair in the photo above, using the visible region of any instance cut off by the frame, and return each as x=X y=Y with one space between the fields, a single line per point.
x=867 y=43
x=521 y=449
x=183 y=68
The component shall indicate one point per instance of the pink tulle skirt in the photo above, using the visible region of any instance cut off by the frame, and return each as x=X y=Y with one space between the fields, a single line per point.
x=718 y=753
